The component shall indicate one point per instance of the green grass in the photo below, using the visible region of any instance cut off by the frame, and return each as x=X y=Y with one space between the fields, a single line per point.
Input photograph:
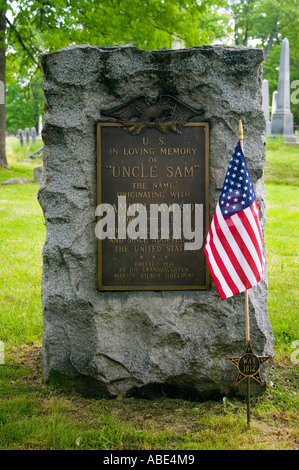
x=37 y=416
x=282 y=241
x=19 y=163
x=22 y=232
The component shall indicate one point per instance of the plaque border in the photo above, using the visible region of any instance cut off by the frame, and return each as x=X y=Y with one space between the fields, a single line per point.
x=102 y=288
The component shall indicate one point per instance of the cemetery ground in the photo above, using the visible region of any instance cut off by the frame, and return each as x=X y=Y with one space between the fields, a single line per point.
x=39 y=417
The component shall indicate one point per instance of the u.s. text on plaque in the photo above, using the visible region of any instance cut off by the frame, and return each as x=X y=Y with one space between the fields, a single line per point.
x=152 y=207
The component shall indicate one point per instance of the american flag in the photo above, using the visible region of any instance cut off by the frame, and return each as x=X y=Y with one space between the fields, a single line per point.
x=234 y=245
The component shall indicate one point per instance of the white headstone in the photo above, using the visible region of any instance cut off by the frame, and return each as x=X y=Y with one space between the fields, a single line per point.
x=40 y=125
x=274 y=103
x=265 y=105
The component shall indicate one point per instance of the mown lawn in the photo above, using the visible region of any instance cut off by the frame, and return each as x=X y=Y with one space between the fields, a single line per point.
x=35 y=416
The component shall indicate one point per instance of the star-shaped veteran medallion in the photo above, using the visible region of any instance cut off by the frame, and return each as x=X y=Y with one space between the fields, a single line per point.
x=248 y=365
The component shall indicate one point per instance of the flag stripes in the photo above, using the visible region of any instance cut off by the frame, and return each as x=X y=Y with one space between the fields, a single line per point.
x=234 y=252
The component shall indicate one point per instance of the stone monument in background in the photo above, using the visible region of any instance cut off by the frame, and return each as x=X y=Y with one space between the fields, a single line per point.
x=282 y=119
x=139 y=318
x=265 y=105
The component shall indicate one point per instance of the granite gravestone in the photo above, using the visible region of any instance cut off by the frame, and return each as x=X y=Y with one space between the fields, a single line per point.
x=159 y=337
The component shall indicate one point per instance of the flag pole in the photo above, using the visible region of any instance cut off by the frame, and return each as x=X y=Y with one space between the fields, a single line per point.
x=241 y=138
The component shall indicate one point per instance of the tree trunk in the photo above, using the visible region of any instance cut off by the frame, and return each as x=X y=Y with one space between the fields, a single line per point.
x=3 y=160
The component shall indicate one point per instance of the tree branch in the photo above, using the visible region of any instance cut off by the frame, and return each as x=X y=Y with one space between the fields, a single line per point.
x=21 y=41
x=154 y=24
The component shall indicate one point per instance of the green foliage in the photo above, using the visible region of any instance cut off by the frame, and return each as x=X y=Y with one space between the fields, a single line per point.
x=267 y=23
x=24 y=105
x=150 y=24
x=37 y=27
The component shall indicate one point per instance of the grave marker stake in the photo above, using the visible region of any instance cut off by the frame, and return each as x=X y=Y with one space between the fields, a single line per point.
x=248 y=364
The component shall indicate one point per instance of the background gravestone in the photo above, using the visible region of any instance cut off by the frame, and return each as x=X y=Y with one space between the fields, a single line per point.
x=282 y=118
x=265 y=89
x=33 y=135
x=27 y=134
x=274 y=103
x=40 y=125
x=21 y=136
x=142 y=343
x=37 y=174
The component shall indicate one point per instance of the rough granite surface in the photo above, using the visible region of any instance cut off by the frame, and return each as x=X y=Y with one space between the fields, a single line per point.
x=142 y=343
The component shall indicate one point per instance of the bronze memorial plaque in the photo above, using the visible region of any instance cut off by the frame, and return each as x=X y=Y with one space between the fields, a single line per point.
x=152 y=208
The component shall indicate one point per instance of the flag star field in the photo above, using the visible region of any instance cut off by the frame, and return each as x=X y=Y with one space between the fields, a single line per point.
x=237 y=192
